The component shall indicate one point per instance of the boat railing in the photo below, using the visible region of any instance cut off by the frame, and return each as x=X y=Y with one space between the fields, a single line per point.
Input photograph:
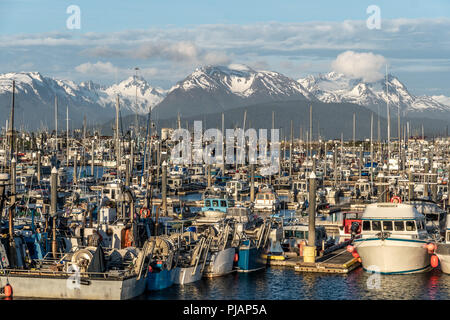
x=117 y=274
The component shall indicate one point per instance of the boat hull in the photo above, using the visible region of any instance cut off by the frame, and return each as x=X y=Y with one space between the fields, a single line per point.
x=63 y=287
x=443 y=253
x=221 y=263
x=187 y=275
x=393 y=256
x=160 y=280
x=250 y=259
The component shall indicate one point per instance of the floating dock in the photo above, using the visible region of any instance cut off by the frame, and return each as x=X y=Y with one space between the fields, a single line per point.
x=337 y=261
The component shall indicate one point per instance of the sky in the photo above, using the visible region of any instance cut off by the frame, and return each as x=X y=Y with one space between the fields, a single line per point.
x=167 y=40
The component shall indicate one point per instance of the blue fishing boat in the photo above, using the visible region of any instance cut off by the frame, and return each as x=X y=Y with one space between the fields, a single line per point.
x=250 y=257
x=161 y=270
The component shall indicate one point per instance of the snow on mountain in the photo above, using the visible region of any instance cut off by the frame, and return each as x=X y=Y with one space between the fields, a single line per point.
x=132 y=90
x=335 y=87
x=243 y=81
x=88 y=93
x=442 y=99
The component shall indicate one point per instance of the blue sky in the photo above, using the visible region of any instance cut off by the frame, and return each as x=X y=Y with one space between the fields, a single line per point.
x=169 y=39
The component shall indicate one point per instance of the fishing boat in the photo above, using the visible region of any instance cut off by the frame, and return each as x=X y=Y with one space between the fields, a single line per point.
x=84 y=273
x=296 y=234
x=267 y=200
x=161 y=271
x=192 y=256
x=214 y=207
x=393 y=239
x=221 y=251
x=252 y=247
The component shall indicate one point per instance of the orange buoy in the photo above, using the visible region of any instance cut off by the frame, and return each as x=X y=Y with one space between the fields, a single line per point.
x=355 y=254
x=350 y=248
x=8 y=290
x=434 y=261
x=236 y=257
x=145 y=213
x=359 y=260
x=431 y=247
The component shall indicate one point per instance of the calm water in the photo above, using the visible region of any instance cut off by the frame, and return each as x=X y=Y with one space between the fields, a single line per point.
x=276 y=283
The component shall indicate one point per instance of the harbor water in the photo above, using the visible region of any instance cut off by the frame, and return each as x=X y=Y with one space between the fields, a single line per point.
x=277 y=283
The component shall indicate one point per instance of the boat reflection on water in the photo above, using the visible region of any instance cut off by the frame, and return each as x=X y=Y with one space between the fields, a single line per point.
x=276 y=283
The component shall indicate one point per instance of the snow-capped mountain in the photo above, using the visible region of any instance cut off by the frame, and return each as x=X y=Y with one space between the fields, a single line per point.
x=217 y=88
x=208 y=90
x=337 y=88
x=35 y=96
x=132 y=90
x=242 y=81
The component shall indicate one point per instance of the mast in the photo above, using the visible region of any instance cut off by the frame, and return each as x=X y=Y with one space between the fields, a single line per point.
x=67 y=136
x=56 y=125
x=136 y=104
x=12 y=205
x=117 y=135
x=388 y=119
x=11 y=123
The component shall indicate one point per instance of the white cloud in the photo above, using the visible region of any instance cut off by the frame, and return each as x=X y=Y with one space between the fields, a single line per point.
x=98 y=67
x=176 y=51
x=360 y=65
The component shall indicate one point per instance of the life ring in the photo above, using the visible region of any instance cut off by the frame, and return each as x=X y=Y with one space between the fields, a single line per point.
x=145 y=213
x=396 y=199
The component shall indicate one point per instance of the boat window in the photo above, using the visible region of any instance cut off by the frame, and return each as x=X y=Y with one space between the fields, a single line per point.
x=376 y=225
x=215 y=203
x=113 y=194
x=207 y=203
x=410 y=226
x=387 y=225
x=299 y=234
x=366 y=225
x=399 y=226
x=288 y=234
x=260 y=197
x=223 y=203
x=420 y=224
x=268 y=197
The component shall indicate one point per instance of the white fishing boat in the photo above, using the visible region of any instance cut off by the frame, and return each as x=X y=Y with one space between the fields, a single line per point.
x=393 y=239
x=267 y=200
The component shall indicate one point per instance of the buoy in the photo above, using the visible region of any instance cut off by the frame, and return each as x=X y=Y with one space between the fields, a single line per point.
x=434 y=261
x=8 y=290
x=350 y=248
x=355 y=254
x=396 y=199
x=236 y=257
x=430 y=247
x=359 y=260
x=150 y=269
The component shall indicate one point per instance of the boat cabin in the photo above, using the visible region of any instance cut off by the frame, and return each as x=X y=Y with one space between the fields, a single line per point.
x=215 y=204
x=399 y=219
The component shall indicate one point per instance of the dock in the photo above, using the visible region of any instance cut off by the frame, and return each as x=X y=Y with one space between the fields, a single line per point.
x=336 y=261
